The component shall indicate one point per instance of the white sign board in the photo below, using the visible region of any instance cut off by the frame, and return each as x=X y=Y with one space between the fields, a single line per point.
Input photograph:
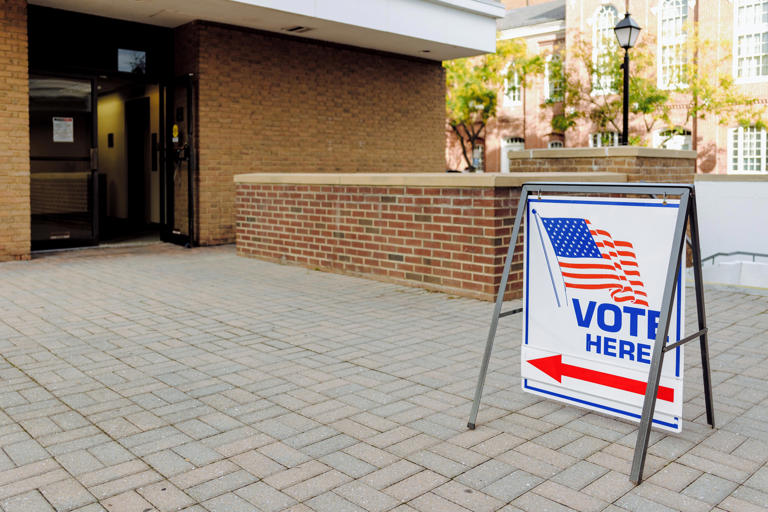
x=63 y=129
x=594 y=276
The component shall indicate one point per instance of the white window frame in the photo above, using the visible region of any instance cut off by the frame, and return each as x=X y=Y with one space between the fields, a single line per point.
x=596 y=139
x=738 y=140
x=555 y=144
x=750 y=23
x=513 y=97
x=509 y=144
x=673 y=15
x=549 y=83
x=678 y=141
x=603 y=43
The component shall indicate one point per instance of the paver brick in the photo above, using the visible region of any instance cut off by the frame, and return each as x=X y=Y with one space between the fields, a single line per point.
x=332 y=502
x=675 y=500
x=415 y=485
x=431 y=502
x=391 y=474
x=316 y=485
x=223 y=484
x=265 y=498
x=125 y=483
x=468 y=498
x=348 y=464
x=579 y=475
x=28 y=502
x=513 y=485
x=710 y=489
x=366 y=497
x=532 y=502
x=569 y=497
x=66 y=495
x=485 y=474
x=204 y=474
x=128 y=501
x=165 y=496
x=228 y=503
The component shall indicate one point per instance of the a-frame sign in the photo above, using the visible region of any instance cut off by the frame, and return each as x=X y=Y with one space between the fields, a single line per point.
x=604 y=301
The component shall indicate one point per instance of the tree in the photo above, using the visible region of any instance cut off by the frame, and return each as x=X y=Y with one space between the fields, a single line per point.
x=473 y=86
x=702 y=89
x=603 y=107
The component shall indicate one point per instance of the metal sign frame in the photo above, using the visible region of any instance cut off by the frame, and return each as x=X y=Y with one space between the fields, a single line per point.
x=686 y=215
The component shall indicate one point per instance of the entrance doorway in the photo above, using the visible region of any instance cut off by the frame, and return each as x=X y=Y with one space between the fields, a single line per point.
x=129 y=135
x=95 y=160
x=101 y=155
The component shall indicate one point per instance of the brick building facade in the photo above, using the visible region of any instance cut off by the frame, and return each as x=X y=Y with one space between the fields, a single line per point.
x=117 y=119
x=731 y=30
x=296 y=106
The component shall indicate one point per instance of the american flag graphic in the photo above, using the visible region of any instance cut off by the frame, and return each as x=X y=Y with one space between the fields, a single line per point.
x=590 y=259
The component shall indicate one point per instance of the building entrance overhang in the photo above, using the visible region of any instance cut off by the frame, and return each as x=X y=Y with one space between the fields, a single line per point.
x=430 y=29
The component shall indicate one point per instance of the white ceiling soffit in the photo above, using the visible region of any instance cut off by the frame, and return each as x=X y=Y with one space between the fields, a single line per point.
x=540 y=29
x=431 y=29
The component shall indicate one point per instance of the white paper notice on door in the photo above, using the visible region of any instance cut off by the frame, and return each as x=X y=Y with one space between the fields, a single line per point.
x=63 y=129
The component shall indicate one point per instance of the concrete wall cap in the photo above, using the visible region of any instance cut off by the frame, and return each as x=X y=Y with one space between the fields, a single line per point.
x=614 y=151
x=452 y=180
x=731 y=177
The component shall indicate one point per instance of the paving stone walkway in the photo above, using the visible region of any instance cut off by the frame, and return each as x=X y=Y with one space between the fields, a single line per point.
x=158 y=378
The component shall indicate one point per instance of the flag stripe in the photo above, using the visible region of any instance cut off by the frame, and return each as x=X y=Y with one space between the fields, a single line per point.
x=590 y=259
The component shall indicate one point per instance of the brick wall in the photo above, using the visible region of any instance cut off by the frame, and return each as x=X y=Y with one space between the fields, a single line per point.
x=275 y=104
x=448 y=239
x=639 y=164
x=14 y=132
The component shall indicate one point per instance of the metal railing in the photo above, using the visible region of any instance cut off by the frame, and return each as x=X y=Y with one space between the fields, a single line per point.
x=734 y=253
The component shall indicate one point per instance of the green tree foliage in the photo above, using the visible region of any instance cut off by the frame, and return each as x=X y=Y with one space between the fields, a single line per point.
x=473 y=88
x=704 y=89
x=591 y=88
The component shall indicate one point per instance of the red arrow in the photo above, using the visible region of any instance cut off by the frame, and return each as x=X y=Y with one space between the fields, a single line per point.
x=555 y=368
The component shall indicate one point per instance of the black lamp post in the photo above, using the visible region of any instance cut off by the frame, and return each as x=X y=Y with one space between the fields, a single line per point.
x=626 y=31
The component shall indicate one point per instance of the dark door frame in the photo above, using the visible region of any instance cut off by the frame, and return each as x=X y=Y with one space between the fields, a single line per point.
x=93 y=188
x=178 y=157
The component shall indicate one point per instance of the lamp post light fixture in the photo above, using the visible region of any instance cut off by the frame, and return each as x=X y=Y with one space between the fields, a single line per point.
x=626 y=31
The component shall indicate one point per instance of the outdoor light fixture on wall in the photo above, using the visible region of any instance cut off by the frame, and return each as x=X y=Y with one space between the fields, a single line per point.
x=627 y=31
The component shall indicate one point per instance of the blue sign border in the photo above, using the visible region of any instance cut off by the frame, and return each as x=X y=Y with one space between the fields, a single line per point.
x=678 y=311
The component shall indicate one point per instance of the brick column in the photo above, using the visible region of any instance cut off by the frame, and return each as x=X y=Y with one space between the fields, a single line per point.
x=638 y=163
x=14 y=132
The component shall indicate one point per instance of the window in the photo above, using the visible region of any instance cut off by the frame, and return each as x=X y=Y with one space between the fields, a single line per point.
x=750 y=39
x=746 y=150
x=510 y=144
x=603 y=46
x=603 y=139
x=513 y=94
x=132 y=61
x=514 y=143
x=673 y=138
x=553 y=74
x=555 y=144
x=672 y=18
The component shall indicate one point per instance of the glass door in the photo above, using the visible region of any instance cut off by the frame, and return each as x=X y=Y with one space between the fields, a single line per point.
x=63 y=161
x=179 y=183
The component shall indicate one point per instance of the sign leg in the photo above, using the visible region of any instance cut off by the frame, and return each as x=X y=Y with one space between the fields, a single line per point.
x=521 y=205
x=654 y=375
x=701 y=313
